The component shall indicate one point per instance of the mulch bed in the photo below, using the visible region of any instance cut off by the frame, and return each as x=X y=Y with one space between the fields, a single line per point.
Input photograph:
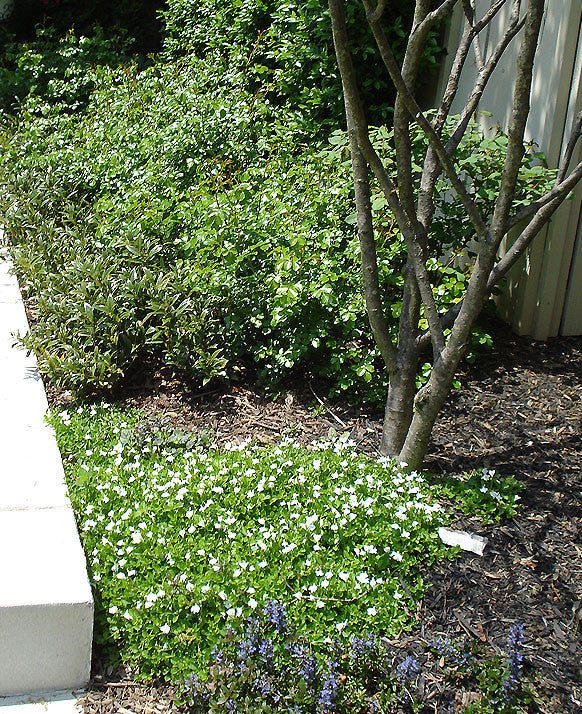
x=519 y=410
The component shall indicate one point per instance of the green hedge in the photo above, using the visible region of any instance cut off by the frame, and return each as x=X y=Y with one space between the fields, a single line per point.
x=178 y=216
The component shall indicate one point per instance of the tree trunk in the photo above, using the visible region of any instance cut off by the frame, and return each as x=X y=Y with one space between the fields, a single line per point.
x=398 y=414
x=427 y=404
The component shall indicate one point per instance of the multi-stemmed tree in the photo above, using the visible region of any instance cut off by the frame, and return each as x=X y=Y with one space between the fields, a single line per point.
x=410 y=194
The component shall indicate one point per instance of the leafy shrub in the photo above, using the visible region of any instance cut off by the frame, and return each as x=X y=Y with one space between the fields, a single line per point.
x=179 y=217
x=289 y=47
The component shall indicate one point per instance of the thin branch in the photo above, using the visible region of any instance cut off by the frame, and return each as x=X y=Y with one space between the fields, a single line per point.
x=327 y=409
x=540 y=219
x=369 y=260
x=543 y=208
x=572 y=141
x=426 y=126
x=469 y=11
x=431 y=169
x=519 y=114
x=560 y=190
x=460 y=59
x=515 y=25
x=352 y=98
x=377 y=13
x=435 y=16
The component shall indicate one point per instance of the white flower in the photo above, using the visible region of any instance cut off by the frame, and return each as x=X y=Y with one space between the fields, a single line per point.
x=343 y=576
x=113 y=610
x=165 y=629
x=195 y=609
x=319 y=604
x=252 y=603
x=371 y=611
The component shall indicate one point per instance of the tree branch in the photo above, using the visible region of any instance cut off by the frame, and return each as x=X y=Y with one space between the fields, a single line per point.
x=431 y=169
x=519 y=115
x=425 y=125
x=541 y=217
x=433 y=17
x=369 y=259
x=572 y=141
x=560 y=190
x=352 y=99
x=377 y=13
x=469 y=11
x=460 y=58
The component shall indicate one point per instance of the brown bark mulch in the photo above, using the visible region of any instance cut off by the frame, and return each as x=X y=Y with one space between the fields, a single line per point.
x=519 y=410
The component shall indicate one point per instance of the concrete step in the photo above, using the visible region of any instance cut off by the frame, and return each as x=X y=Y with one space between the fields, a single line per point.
x=46 y=606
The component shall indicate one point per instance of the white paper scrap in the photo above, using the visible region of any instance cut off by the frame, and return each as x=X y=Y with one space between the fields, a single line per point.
x=466 y=541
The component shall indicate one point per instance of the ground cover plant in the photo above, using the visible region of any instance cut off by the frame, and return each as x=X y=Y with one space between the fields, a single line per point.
x=181 y=540
x=262 y=665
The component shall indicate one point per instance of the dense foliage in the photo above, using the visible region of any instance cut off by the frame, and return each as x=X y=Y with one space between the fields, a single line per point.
x=176 y=211
x=180 y=217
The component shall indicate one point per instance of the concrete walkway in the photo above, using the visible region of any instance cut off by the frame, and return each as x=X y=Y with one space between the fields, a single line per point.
x=46 y=606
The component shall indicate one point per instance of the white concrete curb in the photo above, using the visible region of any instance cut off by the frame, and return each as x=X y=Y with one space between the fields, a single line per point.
x=66 y=702
x=46 y=605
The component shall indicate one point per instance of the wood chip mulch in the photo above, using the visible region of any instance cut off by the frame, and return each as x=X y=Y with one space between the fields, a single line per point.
x=519 y=410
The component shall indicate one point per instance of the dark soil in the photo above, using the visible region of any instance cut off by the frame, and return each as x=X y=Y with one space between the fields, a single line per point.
x=519 y=410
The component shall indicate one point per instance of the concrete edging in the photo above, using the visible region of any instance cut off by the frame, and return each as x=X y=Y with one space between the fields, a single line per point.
x=46 y=604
